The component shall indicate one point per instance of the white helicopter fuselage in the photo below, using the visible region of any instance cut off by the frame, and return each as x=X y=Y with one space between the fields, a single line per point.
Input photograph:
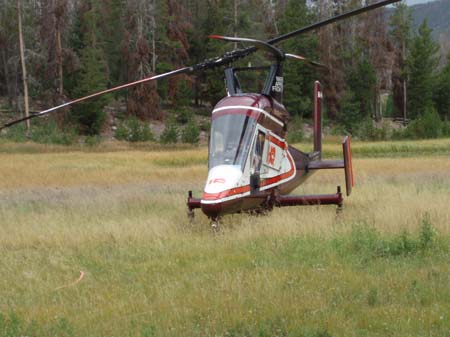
x=248 y=155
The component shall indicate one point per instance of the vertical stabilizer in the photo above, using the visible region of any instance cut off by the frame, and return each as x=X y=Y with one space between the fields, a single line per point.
x=348 y=165
x=318 y=118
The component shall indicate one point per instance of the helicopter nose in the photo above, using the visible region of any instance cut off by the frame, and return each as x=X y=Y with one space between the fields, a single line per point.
x=220 y=189
x=222 y=182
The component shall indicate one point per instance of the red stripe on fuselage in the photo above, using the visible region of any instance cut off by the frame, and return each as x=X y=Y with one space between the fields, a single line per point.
x=243 y=189
x=281 y=144
x=283 y=176
x=227 y=193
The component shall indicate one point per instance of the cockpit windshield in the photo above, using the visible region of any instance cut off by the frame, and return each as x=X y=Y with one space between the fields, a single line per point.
x=231 y=136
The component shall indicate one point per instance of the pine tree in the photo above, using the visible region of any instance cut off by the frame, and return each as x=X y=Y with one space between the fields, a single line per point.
x=94 y=73
x=115 y=40
x=8 y=50
x=362 y=82
x=422 y=64
x=343 y=45
x=298 y=76
x=210 y=19
x=400 y=22
x=442 y=92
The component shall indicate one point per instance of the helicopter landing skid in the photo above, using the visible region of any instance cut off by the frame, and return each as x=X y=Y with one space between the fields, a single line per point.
x=192 y=203
x=276 y=200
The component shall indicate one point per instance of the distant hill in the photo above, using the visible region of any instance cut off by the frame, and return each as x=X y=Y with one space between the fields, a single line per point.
x=437 y=14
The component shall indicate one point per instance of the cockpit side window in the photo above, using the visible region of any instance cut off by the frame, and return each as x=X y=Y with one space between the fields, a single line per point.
x=258 y=152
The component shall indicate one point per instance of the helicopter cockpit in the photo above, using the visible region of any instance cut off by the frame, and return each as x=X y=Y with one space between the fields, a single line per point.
x=231 y=138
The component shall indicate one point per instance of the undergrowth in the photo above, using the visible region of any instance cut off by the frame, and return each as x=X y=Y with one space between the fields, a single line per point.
x=13 y=325
x=42 y=132
x=134 y=130
x=263 y=286
x=366 y=243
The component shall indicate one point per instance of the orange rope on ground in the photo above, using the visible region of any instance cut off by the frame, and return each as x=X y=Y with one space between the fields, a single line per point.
x=73 y=283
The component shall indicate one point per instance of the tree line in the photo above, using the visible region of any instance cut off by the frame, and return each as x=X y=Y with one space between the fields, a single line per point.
x=51 y=51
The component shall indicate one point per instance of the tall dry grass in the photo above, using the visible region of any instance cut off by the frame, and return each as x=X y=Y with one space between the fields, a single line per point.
x=120 y=216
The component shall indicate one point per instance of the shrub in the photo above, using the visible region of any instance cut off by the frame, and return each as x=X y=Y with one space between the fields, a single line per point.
x=205 y=125
x=170 y=133
x=191 y=133
x=133 y=130
x=367 y=243
x=92 y=140
x=43 y=132
x=184 y=115
x=349 y=115
x=367 y=130
x=427 y=234
x=295 y=134
x=338 y=130
x=16 y=133
x=372 y=297
x=390 y=106
x=14 y=325
x=446 y=128
x=428 y=125
x=184 y=93
x=49 y=133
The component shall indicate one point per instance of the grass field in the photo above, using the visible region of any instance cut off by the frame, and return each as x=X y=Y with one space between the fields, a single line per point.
x=117 y=213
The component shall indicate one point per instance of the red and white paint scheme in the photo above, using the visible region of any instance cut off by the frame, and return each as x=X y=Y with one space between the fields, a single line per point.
x=251 y=166
x=252 y=149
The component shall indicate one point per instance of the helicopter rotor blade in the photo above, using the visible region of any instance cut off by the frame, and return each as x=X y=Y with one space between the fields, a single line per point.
x=331 y=20
x=225 y=59
x=279 y=55
x=304 y=59
x=81 y=99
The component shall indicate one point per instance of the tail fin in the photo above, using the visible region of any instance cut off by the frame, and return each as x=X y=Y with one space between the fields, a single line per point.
x=348 y=165
x=318 y=118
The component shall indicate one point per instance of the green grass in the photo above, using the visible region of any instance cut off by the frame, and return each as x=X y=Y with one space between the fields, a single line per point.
x=379 y=268
x=203 y=286
x=395 y=149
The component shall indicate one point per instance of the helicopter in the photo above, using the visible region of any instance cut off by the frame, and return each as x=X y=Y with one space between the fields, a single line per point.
x=251 y=167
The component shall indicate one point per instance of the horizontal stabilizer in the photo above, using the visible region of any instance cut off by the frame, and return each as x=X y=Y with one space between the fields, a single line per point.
x=345 y=164
x=326 y=164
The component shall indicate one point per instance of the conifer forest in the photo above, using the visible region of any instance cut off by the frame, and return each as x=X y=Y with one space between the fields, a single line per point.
x=379 y=66
x=98 y=236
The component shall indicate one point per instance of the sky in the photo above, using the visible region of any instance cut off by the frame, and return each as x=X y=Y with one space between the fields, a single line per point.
x=415 y=2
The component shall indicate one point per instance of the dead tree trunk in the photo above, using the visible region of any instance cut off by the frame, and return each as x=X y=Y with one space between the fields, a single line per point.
x=24 y=68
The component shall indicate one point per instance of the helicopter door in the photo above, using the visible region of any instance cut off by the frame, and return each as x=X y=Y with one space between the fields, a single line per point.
x=256 y=163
